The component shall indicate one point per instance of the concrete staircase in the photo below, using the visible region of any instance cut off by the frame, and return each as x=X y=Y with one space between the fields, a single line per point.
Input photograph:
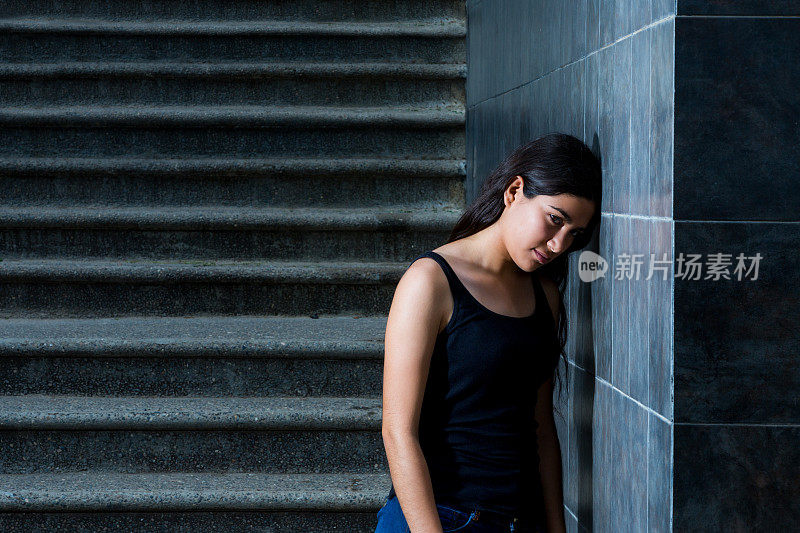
x=204 y=209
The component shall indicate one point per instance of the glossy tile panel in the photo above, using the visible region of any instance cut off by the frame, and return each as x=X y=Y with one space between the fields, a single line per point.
x=659 y=474
x=614 y=92
x=641 y=110
x=737 y=137
x=662 y=8
x=660 y=329
x=738 y=7
x=591 y=98
x=628 y=506
x=602 y=305
x=619 y=18
x=737 y=478
x=736 y=349
x=662 y=115
x=510 y=42
x=605 y=124
x=640 y=308
x=620 y=306
x=603 y=431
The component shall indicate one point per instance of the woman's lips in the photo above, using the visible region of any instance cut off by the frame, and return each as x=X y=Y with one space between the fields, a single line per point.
x=542 y=259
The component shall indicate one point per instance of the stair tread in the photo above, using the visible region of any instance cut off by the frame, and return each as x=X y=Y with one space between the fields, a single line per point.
x=136 y=335
x=201 y=270
x=282 y=165
x=190 y=491
x=444 y=27
x=195 y=217
x=232 y=115
x=242 y=109
x=39 y=411
x=441 y=70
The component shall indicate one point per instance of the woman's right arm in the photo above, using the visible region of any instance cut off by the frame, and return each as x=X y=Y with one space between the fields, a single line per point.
x=414 y=319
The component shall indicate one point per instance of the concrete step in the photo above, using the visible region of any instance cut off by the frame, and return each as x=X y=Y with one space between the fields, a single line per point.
x=196 y=356
x=55 y=40
x=227 y=116
x=297 y=10
x=439 y=27
x=288 y=502
x=203 y=434
x=231 y=131
x=192 y=502
x=217 y=232
x=79 y=413
x=285 y=182
x=36 y=288
x=290 y=521
x=231 y=83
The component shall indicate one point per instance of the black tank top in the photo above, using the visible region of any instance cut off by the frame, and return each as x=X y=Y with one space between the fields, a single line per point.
x=477 y=428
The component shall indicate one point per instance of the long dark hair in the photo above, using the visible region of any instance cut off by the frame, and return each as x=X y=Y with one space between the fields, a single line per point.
x=553 y=164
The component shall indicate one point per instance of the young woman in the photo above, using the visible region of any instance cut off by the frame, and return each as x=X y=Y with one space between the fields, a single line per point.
x=473 y=340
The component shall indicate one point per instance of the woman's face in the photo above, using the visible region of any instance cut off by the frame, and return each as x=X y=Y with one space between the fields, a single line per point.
x=543 y=224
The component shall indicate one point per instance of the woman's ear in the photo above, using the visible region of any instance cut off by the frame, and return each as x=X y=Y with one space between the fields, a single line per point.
x=513 y=189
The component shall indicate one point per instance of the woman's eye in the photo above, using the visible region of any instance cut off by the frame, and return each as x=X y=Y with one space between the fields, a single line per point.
x=558 y=223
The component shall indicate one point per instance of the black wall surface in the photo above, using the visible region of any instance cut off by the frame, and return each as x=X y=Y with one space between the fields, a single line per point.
x=737 y=170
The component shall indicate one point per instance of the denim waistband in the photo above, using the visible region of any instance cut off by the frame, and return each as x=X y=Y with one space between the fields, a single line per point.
x=511 y=522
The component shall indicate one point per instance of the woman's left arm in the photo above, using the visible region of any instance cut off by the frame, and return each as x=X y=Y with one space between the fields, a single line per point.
x=550 y=469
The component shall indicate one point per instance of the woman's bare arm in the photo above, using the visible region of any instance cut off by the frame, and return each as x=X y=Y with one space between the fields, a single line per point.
x=414 y=319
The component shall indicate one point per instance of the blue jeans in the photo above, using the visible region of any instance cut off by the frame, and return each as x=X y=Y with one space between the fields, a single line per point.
x=392 y=520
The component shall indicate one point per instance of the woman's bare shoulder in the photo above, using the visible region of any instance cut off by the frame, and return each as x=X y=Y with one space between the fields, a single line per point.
x=423 y=282
x=425 y=272
x=424 y=292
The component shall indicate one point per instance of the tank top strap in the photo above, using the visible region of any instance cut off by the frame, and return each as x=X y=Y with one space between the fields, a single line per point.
x=542 y=305
x=456 y=287
x=538 y=291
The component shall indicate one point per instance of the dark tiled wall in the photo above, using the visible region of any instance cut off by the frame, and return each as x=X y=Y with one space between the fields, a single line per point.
x=603 y=72
x=737 y=163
